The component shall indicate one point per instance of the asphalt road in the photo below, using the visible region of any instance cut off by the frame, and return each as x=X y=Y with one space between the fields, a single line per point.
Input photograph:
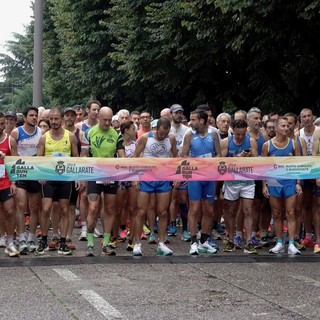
x=220 y=286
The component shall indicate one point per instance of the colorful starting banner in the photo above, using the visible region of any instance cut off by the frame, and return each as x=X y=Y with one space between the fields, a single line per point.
x=161 y=169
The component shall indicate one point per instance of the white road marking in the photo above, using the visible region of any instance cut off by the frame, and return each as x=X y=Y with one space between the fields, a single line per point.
x=66 y=274
x=101 y=305
x=306 y=280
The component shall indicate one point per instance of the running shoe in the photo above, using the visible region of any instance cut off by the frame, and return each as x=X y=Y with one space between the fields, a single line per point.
x=172 y=230
x=70 y=245
x=186 y=236
x=146 y=230
x=23 y=247
x=238 y=242
x=152 y=239
x=194 y=249
x=299 y=245
x=307 y=242
x=64 y=250
x=11 y=250
x=31 y=246
x=206 y=248
x=249 y=248
x=97 y=233
x=264 y=242
x=54 y=243
x=163 y=250
x=113 y=243
x=225 y=240
x=42 y=247
x=90 y=252
x=144 y=236
x=129 y=246
x=256 y=242
x=123 y=235
x=293 y=251
x=229 y=247
x=213 y=243
x=155 y=227
x=215 y=234
x=221 y=229
x=278 y=248
x=137 y=250
x=3 y=242
x=83 y=236
x=108 y=251
x=316 y=248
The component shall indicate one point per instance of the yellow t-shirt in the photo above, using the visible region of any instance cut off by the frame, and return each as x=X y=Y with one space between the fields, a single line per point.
x=58 y=148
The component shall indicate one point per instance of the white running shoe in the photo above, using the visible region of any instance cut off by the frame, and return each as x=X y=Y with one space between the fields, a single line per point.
x=83 y=236
x=278 y=248
x=97 y=233
x=194 y=249
x=11 y=250
x=292 y=250
x=137 y=250
x=206 y=248
x=3 y=242
x=163 y=250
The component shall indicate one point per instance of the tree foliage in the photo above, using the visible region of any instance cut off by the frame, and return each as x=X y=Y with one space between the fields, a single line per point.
x=144 y=53
x=16 y=69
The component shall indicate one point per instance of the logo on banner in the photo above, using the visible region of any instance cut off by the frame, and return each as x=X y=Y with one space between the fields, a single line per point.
x=222 y=167
x=20 y=169
x=186 y=170
x=60 y=168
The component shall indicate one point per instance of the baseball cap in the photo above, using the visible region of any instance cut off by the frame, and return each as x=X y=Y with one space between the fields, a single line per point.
x=176 y=108
x=65 y=110
x=11 y=114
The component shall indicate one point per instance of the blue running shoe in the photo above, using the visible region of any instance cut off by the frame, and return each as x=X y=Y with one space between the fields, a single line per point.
x=212 y=243
x=172 y=230
x=237 y=242
x=256 y=243
x=152 y=239
x=186 y=236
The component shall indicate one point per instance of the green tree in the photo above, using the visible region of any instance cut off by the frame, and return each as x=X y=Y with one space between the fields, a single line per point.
x=16 y=69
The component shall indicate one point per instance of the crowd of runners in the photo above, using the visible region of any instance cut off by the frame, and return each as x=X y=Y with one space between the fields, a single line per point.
x=283 y=215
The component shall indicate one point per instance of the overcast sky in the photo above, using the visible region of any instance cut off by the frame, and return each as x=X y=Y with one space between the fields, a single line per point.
x=14 y=14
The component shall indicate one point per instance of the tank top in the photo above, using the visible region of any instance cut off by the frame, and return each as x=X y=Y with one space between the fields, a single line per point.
x=286 y=151
x=260 y=141
x=179 y=134
x=202 y=147
x=27 y=144
x=157 y=149
x=58 y=148
x=233 y=150
x=129 y=150
x=308 y=139
x=5 y=147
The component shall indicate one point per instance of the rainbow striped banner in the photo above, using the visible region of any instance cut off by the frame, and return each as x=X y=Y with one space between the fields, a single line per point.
x=161 y=169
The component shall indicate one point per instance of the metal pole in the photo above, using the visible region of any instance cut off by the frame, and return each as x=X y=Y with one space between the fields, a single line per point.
x=37 y=53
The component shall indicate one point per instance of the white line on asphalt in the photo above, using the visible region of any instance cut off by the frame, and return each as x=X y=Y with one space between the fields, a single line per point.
x=66 y=274
x=101 y=305
x=306 y=280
